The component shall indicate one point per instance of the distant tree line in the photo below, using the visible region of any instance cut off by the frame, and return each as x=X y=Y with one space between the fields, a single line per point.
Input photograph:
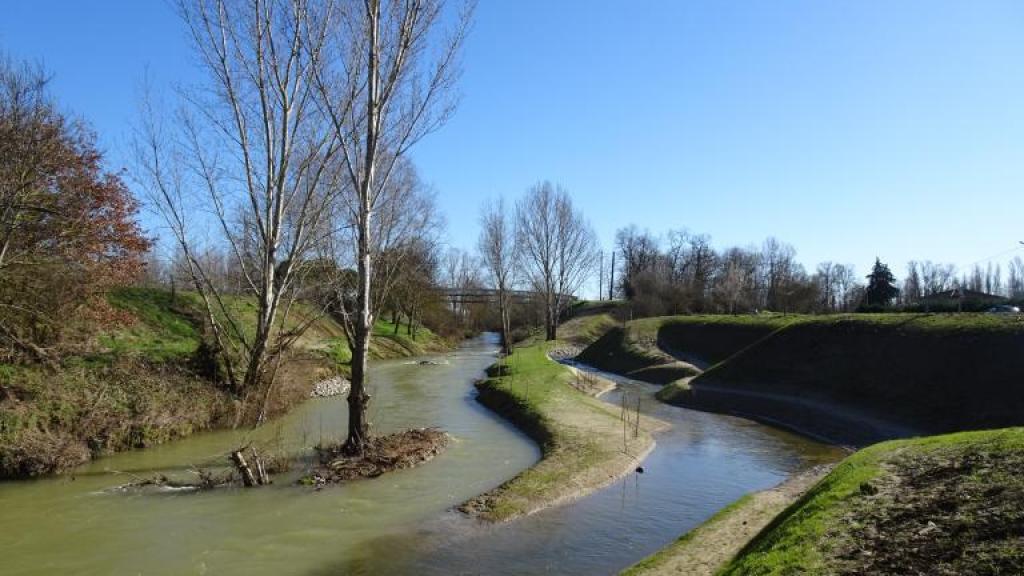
x=925 y=278
x=681 y=273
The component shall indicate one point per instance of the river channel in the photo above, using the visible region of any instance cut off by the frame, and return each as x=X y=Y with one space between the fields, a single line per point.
x=401 y=523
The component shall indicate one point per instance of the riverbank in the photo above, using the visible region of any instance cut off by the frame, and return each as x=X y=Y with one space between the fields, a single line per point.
x=707 y=548
x=145 y=384
x=851 y=379
x=945 y=504
x=585 y=443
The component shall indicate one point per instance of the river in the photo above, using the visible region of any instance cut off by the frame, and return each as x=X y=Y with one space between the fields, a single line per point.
x=401 y=523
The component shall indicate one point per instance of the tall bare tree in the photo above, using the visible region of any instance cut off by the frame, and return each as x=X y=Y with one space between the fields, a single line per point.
x=639 y=251
x=254 y=150
x=558 y=248
x=459 y=273
x=499 y=254
x=389 y=83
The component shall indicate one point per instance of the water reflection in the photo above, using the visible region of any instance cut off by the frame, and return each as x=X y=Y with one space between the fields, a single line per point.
x=401 y=523
x=702 y=463
x=76 y=527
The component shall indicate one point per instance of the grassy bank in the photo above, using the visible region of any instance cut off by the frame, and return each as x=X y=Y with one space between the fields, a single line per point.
x=581 y=438
x=855 y=379
x=647 y=348
x=143 y=385
x=938 y=505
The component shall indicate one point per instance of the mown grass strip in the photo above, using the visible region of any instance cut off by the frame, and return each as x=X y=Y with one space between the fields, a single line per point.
x=582 y=440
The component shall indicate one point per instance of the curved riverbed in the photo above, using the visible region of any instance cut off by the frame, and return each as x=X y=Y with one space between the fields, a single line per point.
x=702 y=463
x=73 y=526
x=400 y=523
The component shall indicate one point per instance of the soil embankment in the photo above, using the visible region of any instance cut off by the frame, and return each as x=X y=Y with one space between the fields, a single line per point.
x=940 y=505
x=585 y=443
x=852 y=379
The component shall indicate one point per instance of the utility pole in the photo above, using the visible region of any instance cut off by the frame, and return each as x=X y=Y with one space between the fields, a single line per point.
x=600 y=279
x=611 y=283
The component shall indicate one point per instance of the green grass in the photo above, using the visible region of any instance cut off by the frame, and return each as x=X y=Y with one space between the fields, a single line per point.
x=802 y=538
x=924 y=322
x=580 y=436
x=628 y=352
x=169 y=329
x=163 y=329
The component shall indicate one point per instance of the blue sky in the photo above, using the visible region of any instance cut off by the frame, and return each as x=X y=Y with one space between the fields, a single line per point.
x=849 y=129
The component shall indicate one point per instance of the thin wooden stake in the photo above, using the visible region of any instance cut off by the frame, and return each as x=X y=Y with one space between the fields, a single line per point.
x=261 y=472
x=636 y=432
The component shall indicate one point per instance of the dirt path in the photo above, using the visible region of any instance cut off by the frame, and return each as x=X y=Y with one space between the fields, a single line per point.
x=702 y=551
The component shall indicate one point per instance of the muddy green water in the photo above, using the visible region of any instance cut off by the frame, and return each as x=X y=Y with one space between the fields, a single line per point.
x=401 y=523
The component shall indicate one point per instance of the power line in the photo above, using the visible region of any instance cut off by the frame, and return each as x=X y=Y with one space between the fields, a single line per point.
x=994 y=256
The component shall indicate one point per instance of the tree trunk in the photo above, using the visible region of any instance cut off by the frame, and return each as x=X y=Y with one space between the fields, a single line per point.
x=506 y=332
x=611 y=279
x=551 y=321
x=506 y=346
x=258 y=353
x=358 y=399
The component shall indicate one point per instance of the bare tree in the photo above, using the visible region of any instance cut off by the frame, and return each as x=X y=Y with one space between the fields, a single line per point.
x=639 y=251
x=557 y=245
x=499 y=254
x=911 y=292
x=415 y=283
x=253 y=150
x=936 y=277
x=460 y=274
x=388 y=84
x=730 y=285
x=1015 y=278
x=405 y=237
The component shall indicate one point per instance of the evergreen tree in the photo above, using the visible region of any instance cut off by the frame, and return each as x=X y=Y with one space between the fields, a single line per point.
x=881 y=288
